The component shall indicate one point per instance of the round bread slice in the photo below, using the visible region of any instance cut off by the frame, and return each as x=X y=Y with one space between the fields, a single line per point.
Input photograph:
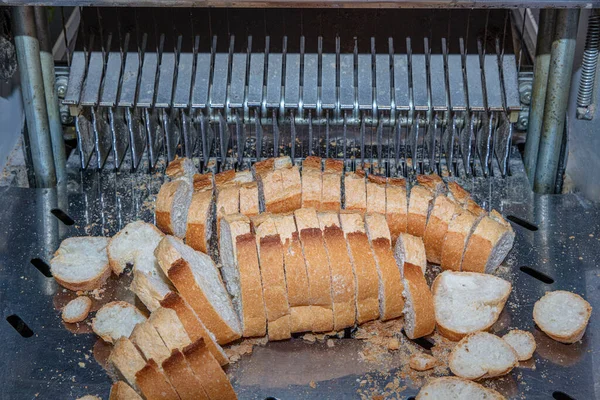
x=562 y=315
x=522 y=342
x=467 y=302
x=81 y=263
x=77 y=309
x=134 y=240
x=116 y=319
x=453 y=388
x=482 y=355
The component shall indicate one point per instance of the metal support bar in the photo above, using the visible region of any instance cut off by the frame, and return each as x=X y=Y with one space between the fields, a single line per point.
x=34 y=101
x=538 y=93
x=47 y=64
x=557 y=96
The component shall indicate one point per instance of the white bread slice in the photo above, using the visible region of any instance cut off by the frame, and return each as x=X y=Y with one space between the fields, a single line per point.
x=228 y=202
x=126 y=359
x=433 y=182
x=482 y=355
x=154 y=384
x=331 y=192
x=272 y=189
x=562 y=315
x=149 y=342
x=116 y=319
x=443 y=211
x=172 y=204
x=249 y=204
x=136 y=240
x=453 y=388
x=197 y=279
x=419 y=206
x=376 y=197
x=270 y=251
x=391 y=302
x=241 y=273
x=183 y=380
x=81 y=263
x=410 y=249
x=364 y=266
x=200 y=222
x=169 y=327
x=396 y=207
x=122 y=391
x=355 y=191
x=343 y=289
x=467 y=302
x=194 y=326
x=457 y=236
x=419 y=314
x=458 y=193
x=150 y=287
x=422 y=361
x=207 y=370
x=488 y=245
x=522 y=342
x=312 y=182
x=317 y=268
x=296 y=277
x=77 y=309
x=181 y=167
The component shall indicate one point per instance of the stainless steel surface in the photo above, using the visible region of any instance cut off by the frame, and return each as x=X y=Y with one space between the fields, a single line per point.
x=538 y=93
x=58 y=363
x=557 y=97
x=32 y=90
x=589 y=64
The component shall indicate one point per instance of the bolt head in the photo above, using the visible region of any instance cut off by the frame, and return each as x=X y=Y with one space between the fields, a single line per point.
x=61 y=91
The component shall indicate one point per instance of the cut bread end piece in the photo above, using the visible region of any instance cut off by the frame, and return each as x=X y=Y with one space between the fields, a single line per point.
x=172 y=204
x=522 y=342
x=154 y=384
x=453 y=388
x=410 y=249
x=115 y=320
x=151 y=287
x=562 y=315
x=419 y=314
x=489 y=244
x=134 y=240
x=77 y=309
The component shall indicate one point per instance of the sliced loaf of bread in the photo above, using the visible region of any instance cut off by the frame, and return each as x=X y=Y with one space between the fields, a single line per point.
x=433 y=182
x=172 y=204
x=419 y=314
x=562 y=315
x=312 y=182
x=149 y=342
x=396 y=207
x=355 y=191
x=331 y=192
x=453 y=388
x=249 y=204
x=126 y=360
x=410 y=249
x=182 y=378
x=419 y=206
x=457 y=236
x=169 y=327
x=200 y=221
x=154 y=384
x=489 y=244
x=443 y=211
x=292 y=188
x=376 y=197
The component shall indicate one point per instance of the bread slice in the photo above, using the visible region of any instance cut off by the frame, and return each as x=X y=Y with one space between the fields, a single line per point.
x=182 y=378
x=262 y=167
x=282 y=162
x=443 y=211
x=467 y=302
x=154 y=384
x=489 y=244
x=149 y=342
x=410 y=249
x=343 y=289
x=200 y=221
x=169 y=327
x=433 y=182
x=241 y=273
x=197 y=279
x=296 y=277
x=203 y=181
x=396 y=207
x=207 y=370
x=355 y=192
x=172 y=204
x=419 y=206
x=458 y=193
x=181 y=167
x=453 y=388
x=562 y=315
x=77 y=309
x=482 y=355
x=126 y=359
x=422 y=362
x=419 y=314
x=391 y=302
x=272 y=189
x=194 y=327
x=290 y=193
x=272 y=275
x=317 y=267
x=460 y=229
x=81 y=263
x=364 y=267
x=331 y=192
x=228 y=202
x=122 y=391
x=116 y=319
x=249 y=204
x=135 y=240
x=522 y=342
x=150 y=287
x=376 y=197
x=312 y=182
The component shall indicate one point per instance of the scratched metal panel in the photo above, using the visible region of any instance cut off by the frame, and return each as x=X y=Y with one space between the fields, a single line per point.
x=438 y=84
x=91 y=86
x=184 y=80
x=419 y=78
x=492 y=82
x=365 y=82
x=165 y=84
x=347 y=89
x=328 y=82
x=76 y=75
x=130 y=74
x=474 y=83
x=401 y=82
x=202 y=80
x=311 y=71
x=238 y=80
x=108 y=97
x=457 y=83
x=218 y=92
x=511 y=83
x=274 y=72
x=383 y=81
x=292 y=81
x=146 y=93
x=255 y=80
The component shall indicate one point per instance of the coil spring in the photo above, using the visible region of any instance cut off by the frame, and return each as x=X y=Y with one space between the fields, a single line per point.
x=590 y=62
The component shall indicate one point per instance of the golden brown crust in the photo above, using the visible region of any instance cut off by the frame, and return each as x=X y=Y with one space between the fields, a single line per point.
x=391 y=281
x=444 y=209
x=311 y=162
x=182 y=378
x=418 y=210
x=264 y=166
x=224 y=177
x=459 y=193
x=127 y=359
x=153 y=384
x=292 y=189
x=207 y=370
x=480 y=245
x=333 y=165
x=422 y=301
x=432 y=182
x=367 y=279
x=455 y=240
x=396 y=207
x=92 y=284
x=148 y=341
x=122 y=391
x=203 y=181
x=297 y=286
x=198 y=215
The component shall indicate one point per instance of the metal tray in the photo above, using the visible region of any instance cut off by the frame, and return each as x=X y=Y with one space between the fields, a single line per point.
x=59 y=361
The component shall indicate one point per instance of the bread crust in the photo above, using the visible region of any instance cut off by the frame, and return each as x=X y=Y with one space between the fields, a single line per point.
x=312 y=186
x=84 y=313
x=198 y=216
x=249 y=204
x=376 y=197
x=433 y=182
x=333 y=165
x=92 y=284
x=393 y=303
x=203 y=181
x=413 y=250
x=182 y=378
x=207 y=370
x=331 y=196
x=481 y=244
x=568 y=339
x=456 y=239
x=164 y=205
x=127 y=359
x=422 y=301
x=452 y=380
x=396 y=211
x=444 y=210
x=148 y=341
x=292 y=189
x=153 y=384
x=355 y=192
x=490 y=373
x=122 y=391
x=418 y=210
x=458 y=193
x=312 y=162
x=297 y=285
x=367 y=279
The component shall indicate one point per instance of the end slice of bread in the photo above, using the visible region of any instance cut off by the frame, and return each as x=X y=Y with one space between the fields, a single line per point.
x=453 y=388
x=482 y=355
x=77 y=309
x=182 y=378
x=150 y=286
x=115 y=320
x=410 y=249
x=154 y=384
x=419 y=314
x=522 y=342
x=172 y=204
x=135 y=240
x=467 y=302
x=562 y=315
x=81 y=263
x=122 y=391
x=127 y=360
x=488 y=246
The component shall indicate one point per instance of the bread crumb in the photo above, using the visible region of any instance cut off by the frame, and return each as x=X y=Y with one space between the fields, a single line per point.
x=312 y=384
x=422 y=362
x=393 y=344
x=330 y=343
x=81 y=365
